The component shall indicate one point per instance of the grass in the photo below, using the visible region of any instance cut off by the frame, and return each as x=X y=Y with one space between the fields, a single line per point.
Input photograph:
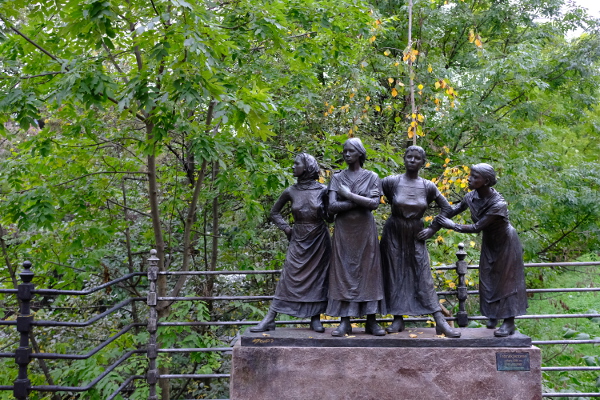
x=567 y=328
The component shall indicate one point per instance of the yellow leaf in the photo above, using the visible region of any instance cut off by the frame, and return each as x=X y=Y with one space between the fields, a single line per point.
x=396 y=64
x=452 y=285
x=387 y=52
x=437 y=85
x=471 y=36
x=420 y=87
x=412 y=335
x=400 y=84
x=373 y=38
x=413 y=116
x=350 y=131
x=447 y=160
x=391 y=80
x=427 y=165
x=472 y=243
x=429 y=69
x=420 y=118
x=478 y=43
x=394 y=92
x=377 y=108
x=351 y=95
x=368 y=98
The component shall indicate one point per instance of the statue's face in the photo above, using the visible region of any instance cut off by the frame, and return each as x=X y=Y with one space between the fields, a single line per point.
x=298 y=167
x=351 y=155
x=476 y=181
x=413 y=160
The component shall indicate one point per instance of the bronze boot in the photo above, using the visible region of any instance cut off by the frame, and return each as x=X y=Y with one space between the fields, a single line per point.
x=507 y=328
x=442 y=327
x=372 y=327
x=397 y=325
x=267 y=324
x=315 y=324
x=344 y=328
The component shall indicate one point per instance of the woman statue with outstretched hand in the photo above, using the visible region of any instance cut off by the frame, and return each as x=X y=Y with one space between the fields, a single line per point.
x=355 y=282
x=302 y=289
x=501 y=271
x=408 y=283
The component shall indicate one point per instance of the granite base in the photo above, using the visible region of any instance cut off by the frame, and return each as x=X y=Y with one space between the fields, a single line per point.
x=382 y=372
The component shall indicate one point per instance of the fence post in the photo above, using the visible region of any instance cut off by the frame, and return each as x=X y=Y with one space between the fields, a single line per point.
x=461 y=269
x=152 y=352
x=22 y=385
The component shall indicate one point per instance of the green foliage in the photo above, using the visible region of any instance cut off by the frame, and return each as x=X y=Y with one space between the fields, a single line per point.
x=142 y=103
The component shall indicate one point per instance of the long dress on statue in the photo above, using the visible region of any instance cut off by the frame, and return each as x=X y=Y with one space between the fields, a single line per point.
x=408 y=283
x=302 y=288
x=355 y=281
x=502 y=289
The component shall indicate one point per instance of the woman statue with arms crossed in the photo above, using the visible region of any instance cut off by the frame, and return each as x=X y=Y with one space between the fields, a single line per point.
x=355 y=282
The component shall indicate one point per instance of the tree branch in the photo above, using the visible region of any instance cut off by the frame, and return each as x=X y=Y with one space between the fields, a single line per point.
x=129 y=208
x=564 y=235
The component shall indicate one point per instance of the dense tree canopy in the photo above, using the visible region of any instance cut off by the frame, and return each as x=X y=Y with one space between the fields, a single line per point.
x=129 y=125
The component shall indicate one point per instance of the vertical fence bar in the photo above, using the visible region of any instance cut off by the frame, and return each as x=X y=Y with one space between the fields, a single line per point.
x=461 y=269
x=22 y=384
x=152 y=376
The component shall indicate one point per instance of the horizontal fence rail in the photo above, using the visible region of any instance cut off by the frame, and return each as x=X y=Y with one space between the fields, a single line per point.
x=25 y=321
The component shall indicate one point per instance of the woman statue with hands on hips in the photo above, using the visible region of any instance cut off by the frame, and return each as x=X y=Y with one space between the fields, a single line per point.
x=302 y=289
x=408 y=283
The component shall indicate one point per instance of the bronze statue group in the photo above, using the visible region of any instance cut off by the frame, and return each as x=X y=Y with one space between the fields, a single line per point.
x=353 y=274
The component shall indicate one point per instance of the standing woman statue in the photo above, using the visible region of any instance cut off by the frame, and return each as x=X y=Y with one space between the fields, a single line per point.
x=302 y=289
x=355 y=282
x=501 y=270
x=408 y=283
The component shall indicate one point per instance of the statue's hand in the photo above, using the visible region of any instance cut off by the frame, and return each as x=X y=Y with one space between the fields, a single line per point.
x=425 y=234
x=445 y=222
x=344 y=191
x=288 y=233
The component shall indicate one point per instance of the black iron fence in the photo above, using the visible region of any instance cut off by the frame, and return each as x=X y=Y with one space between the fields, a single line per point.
x=25 y=321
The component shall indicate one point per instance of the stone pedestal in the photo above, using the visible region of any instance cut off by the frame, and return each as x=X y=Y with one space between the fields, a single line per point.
x=298 y=364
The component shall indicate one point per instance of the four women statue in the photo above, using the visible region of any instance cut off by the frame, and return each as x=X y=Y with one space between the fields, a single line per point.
x=354 y=276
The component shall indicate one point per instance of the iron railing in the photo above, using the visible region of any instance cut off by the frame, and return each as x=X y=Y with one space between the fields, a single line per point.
x=24 y=322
